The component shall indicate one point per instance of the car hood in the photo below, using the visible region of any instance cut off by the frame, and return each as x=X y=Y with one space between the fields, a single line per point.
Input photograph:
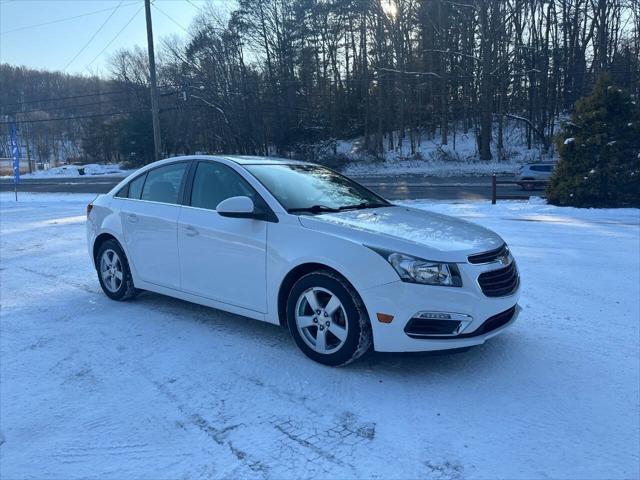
x=418 y=232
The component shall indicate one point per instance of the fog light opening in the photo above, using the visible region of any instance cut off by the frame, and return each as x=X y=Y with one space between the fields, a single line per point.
x=437 y=324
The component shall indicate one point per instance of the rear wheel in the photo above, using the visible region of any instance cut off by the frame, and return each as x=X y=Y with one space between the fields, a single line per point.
x=113 y=271
x=529 y=186
x=327 y=319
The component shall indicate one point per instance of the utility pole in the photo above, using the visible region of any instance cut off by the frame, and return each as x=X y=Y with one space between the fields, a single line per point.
x=155 y=110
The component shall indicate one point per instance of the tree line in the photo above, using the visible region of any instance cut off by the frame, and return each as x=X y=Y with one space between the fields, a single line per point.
x=291 y=77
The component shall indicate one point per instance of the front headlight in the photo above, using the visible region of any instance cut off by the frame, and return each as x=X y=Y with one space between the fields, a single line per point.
x=416 y=270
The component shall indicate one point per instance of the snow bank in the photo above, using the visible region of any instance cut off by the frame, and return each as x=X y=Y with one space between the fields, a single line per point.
x=436 y=168
x=159 y=388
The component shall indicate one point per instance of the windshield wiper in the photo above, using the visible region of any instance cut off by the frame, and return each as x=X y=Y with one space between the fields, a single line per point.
x=325 y=209
x=363 y=205
x=313 y=209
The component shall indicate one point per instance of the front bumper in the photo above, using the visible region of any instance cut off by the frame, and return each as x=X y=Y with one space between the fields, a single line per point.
x=403 y=300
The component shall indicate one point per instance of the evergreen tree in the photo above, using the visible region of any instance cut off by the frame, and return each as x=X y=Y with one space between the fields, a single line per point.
x=599 y=150
x=135 y=139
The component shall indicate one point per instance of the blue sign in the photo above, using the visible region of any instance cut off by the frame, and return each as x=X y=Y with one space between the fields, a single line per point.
x=15 y=153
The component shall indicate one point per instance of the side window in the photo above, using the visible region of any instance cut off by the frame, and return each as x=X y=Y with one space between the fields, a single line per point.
x=135 y=187
x=163 y=183
x=123 y=192
x=214 y=182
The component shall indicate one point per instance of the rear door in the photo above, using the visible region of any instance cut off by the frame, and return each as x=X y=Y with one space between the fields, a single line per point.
x=222 y=258
x=150 y=219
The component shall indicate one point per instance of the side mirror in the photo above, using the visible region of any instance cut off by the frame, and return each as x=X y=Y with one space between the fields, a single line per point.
x=238 y=207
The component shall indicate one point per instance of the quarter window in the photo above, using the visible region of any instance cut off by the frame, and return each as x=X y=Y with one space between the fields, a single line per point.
x=163 y=183
x=215 y=182
x=135 y=187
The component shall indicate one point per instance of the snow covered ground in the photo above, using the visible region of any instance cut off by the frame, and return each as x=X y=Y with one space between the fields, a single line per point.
x=72 y=171
x=159 y=388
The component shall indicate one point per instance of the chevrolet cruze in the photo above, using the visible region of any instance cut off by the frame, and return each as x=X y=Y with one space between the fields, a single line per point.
x=299 y=245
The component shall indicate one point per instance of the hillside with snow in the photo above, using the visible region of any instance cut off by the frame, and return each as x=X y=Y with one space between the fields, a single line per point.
x=458 y=157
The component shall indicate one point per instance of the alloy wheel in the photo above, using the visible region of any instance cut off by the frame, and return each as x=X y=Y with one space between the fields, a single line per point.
x=111 y=270
x=321 y=320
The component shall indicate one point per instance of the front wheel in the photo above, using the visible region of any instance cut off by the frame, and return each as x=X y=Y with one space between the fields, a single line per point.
x=327 y=319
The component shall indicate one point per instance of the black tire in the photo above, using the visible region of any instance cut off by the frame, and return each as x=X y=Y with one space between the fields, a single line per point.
x=126 y=289
x=528 y=186
x=358 y=338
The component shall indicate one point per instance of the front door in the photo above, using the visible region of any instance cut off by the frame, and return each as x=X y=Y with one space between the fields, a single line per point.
x=222 y=258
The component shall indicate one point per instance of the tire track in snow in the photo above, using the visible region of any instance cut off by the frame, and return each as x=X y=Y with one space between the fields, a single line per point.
x=271 y=445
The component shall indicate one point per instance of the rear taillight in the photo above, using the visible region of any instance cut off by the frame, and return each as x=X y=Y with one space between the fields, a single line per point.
x=89 y=208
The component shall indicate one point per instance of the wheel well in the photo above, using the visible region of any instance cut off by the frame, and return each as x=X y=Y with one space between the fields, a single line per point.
x=292 y=277
x=100 y=239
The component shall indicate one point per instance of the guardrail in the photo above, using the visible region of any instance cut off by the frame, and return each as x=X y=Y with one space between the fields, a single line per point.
x=494 y=188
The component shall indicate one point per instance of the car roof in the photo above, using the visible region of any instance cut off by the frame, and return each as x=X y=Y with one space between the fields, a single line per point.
x=243 y=159
x=253 y=160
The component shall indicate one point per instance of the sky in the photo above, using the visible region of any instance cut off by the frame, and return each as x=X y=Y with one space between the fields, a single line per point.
x=84 y=44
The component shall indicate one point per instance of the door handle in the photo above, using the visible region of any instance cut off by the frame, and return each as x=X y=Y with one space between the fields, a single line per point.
x=132 y=218
x=191 y=231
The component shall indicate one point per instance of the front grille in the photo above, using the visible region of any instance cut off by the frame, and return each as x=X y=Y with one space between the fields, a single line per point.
x=501 y=282
x=490 y=256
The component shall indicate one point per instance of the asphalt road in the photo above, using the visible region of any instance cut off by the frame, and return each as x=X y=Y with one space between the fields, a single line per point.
x=402 y=187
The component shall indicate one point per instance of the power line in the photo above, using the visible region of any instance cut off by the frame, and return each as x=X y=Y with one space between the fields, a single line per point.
x=80 y=105
x=55 y=99
x=196 y=7
x=26 y=27
x=78 y=117
x=93 y=36
x=97 y=94
x=114 y=38
x=169 y=17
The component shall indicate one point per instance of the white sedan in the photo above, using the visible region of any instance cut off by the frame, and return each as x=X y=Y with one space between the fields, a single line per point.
x=299 y=245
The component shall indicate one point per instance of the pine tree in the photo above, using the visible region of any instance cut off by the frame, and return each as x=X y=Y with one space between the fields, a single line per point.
x=599 y=150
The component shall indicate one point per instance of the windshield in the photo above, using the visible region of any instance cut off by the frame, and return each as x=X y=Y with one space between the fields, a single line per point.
x=314 y=189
